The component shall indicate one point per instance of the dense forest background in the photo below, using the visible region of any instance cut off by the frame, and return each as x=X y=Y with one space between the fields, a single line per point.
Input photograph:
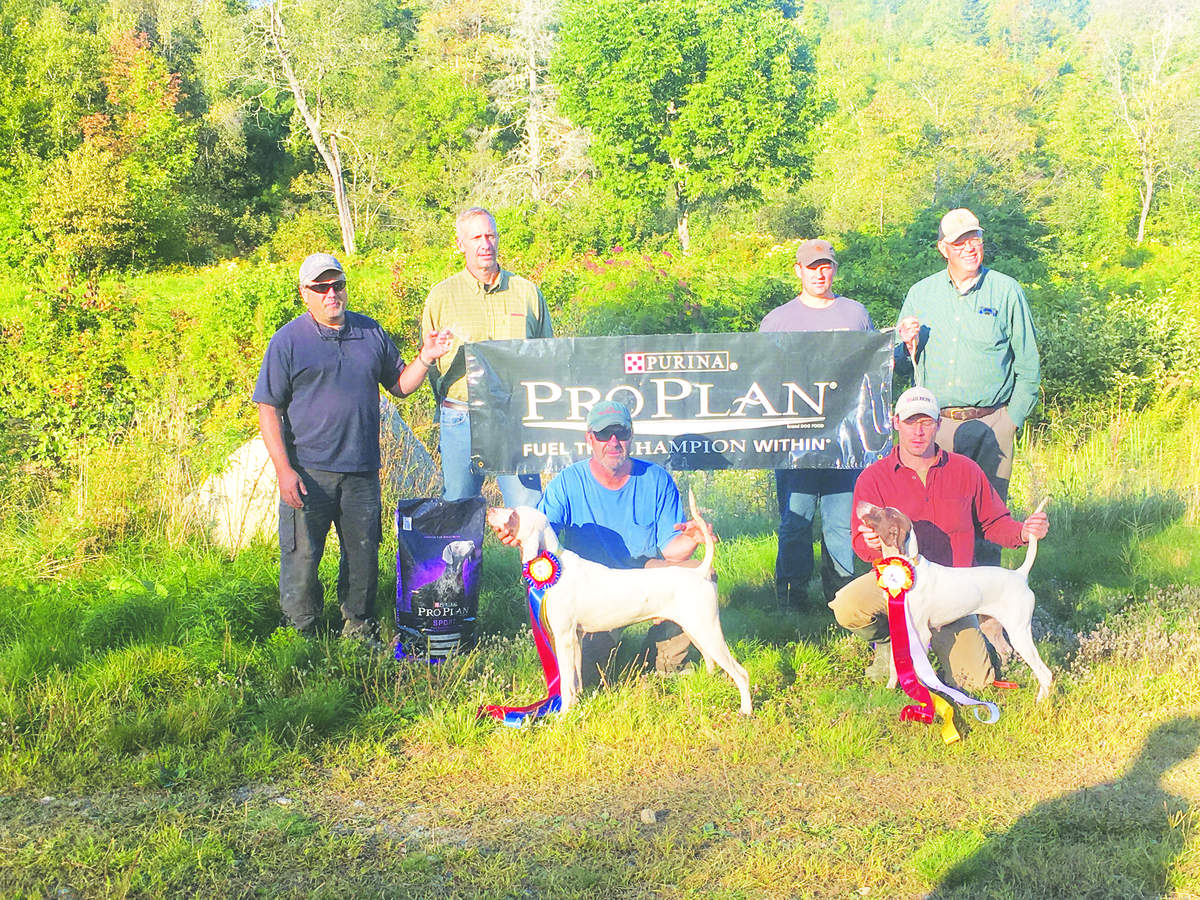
x=651 y=164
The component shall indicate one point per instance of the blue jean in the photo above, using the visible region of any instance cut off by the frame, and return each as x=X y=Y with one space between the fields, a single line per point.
x=461 y=479
x=350 y=501
x=798 y=492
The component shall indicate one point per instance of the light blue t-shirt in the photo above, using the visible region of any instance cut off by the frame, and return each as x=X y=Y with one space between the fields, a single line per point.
x=620 y=529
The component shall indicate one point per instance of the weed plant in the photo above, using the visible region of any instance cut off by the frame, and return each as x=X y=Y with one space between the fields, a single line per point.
x=162 y=735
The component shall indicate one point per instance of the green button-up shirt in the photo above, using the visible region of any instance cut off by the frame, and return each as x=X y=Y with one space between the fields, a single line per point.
x=978 y=348
x=512 y=308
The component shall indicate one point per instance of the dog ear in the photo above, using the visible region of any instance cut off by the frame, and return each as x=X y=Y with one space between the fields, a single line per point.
x=864 y=509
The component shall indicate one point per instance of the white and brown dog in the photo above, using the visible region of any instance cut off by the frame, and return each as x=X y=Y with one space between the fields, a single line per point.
x=589 y=597
x=941 y=594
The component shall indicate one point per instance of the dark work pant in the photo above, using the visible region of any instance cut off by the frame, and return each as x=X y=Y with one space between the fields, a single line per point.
x=798 y=492
x=350 y=501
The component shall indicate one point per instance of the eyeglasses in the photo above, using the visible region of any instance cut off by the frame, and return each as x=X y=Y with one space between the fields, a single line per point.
x=967 y=243
x=612 y=431
x=324 y=287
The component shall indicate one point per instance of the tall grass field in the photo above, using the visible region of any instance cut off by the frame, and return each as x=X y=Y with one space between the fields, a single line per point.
x=162 y=736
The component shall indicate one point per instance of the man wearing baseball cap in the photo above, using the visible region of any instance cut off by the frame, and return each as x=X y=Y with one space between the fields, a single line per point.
x=624 y=513
x=318 y=412
x=966 y=333
x=946 y=495
x=800 y=491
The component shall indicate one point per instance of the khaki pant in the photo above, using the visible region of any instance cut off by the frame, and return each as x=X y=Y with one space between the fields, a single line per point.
x=989 y=441
x=861 y=606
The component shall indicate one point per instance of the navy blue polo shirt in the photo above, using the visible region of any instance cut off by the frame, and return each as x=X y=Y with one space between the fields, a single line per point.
x=326 y=383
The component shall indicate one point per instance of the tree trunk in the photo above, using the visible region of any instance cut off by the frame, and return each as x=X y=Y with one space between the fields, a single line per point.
x=1147 y=193
x=328 y=151
x=533 y=123
x=681 y=228
x=681 y=212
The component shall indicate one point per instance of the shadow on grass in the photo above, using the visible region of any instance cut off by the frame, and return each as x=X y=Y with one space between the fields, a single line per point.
x=1116 y=839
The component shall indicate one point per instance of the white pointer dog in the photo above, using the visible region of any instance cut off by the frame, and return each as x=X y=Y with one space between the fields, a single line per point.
x=589 y=597
x=941 y=594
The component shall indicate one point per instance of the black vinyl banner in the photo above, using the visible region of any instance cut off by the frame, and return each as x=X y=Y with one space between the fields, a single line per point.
x=699 y=401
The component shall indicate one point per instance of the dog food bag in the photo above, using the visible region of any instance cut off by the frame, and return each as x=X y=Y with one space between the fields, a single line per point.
x=440 y=550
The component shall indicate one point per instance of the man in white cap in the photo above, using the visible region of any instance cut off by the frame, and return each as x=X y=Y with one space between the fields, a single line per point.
x=947 y=497
x=483 y=302
x=318 y=412
x=800 y=491
x=966 y=334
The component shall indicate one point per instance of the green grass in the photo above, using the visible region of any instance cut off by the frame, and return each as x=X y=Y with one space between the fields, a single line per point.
x=161 y=737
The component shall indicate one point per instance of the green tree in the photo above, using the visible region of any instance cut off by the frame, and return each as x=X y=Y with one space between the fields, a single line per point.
x=689 y=102
x=1150 y=59
x=115 y=198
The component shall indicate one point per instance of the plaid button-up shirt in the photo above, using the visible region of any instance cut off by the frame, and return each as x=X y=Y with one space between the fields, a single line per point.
x=512 y=308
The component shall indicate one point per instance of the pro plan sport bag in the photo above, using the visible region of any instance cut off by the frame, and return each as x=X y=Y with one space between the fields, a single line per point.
x=440 y=550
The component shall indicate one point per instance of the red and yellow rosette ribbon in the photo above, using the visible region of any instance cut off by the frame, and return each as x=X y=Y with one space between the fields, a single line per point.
x=896 y=576
x=542 y=571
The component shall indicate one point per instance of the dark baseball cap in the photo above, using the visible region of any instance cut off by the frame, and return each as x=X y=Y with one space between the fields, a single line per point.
x=606 y=413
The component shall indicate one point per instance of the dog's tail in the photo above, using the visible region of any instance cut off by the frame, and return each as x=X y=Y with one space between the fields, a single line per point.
x=706 y=566
x=1031 y=553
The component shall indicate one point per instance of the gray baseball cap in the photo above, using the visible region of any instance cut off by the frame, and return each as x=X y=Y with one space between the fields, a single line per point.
x=317 y=264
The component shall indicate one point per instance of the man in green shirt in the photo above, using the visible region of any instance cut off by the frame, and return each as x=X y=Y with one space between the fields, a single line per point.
x=483 y=302
x=966 y=334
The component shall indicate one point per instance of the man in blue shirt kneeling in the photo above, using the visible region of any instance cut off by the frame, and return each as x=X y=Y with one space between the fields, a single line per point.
x=624 y=513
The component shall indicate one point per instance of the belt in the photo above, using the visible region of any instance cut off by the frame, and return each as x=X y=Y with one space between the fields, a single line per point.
x=454 y=404
x=963 y=413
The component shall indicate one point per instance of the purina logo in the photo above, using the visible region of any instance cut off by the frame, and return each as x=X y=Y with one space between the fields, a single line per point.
x=685 y=361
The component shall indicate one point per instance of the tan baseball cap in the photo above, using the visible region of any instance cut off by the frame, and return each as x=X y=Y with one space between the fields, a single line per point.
x=813 y=251
x=956 y=223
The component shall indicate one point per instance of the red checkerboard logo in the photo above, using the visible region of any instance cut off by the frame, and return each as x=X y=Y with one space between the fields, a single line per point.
x=635 y=362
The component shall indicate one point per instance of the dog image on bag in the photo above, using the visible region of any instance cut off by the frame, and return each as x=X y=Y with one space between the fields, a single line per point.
x=438 y=561
x=942 y=594
x=589 y=597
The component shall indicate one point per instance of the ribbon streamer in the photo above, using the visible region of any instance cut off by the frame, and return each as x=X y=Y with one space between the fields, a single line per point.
x=916 y=676
x=541 y=573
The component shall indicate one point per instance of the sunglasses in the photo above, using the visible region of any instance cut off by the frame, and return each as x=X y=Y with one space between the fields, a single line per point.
x=324 y=287
x=612 y=431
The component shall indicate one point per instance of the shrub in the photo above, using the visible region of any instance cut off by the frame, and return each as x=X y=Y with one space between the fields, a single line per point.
x=1126 y=346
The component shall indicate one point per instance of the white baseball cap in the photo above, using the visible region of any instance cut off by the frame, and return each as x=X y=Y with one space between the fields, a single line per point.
x=917 y=401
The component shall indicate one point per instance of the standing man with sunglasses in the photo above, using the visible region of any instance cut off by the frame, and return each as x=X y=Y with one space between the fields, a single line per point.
x=483 y=302
x=624 y=513
x=967 y=335
x=318 y=412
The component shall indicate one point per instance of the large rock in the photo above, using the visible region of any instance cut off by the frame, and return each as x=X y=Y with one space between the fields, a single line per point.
x=241 y=502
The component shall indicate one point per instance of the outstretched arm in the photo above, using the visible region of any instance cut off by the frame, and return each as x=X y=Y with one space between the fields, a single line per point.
x=434 y=346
